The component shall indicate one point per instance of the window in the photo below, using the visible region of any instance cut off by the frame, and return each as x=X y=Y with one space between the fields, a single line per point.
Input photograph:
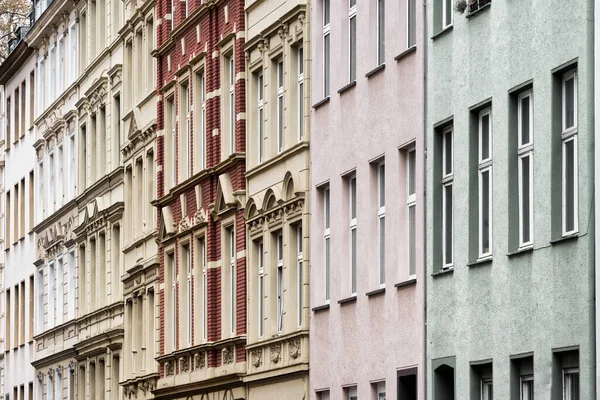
x=202 y=121
x=350 y=393
x=279 y=106
x=353 y=241
x=187 y=262
x=31 y=307
x=8 y=122
x=443 y=378
x=323 y=395
x=411 y=204
x=71 y=171
x=525 y=168
x=447 y=198
x=527 y=387
x=231 y=105
x=173 y=272
x=486 y=389
x=117 y=130
x=326 y=240
x=32 y=97
x=352 y=40
x=481 y=380
x=17 y=123
x=300 y=93
x=187 y=8
x=261 y=294
x=485 y=183
x=8 y=320
x=447 y=16
x=59 y=291
x=521 y=380
x=71 y=288
x=202 y=246
x=378 y=389
x=279 y=282
x=381 y=222
x=51 y=295
x=232 y=291
x=72 y=65
x=260 y=116
x=16 y=213
x=22 y=227
x=59 y=176
x=173 y=139
x=326 y=47
x=60 y=73
x=407 y=383
x=187 y=142
x=7 y=219
x=39 y=292
x=31 y=200
x=380 y=32
x=172 y=14
x=565 y=374
x=411 y=23
x=300 y=280
x=569 y=154
x=571 y=384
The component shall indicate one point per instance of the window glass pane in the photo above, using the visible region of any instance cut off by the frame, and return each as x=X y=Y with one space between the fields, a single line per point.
x=352 y=198
x=525 y=197
x=570 y=102
x=326 y=15
x=352 y=3
x=326 y=66
x=279 y=74
x=448 y=224
x=326 y=200
x=381 y=31
x=327 y=256
x=300 y=60
x=525 y=110
x=353 y=261
x=448 y=20
x=382 y=185
x=300 y=110
x=570 y=185
x=411 y=171
x=352 y=51
x=260 y=87
x=485 y=137
x=412 y=22
x=485 y=211
x=448 y=153
x=382 y=250
x=411 y=240
x=571 y=389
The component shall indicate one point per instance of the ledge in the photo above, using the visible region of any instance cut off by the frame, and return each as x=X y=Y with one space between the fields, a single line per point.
x=524 y=250
x=573 y=236
x=347 y=87
x=321 y=308
x=442 y=32
x=320 y=103
x=481 y=262
x=375 y=70
x=407 y=283
x=406 y=53
x=350 y=299
x=480 y=9
x=376 y=292
x=447 y=271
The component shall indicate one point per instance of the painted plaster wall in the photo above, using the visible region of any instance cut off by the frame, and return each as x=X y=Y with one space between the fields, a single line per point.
x=371 y=338
x=534 y=302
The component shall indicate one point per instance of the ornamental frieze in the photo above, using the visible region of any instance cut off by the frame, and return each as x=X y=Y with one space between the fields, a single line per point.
x=200 y=360
x=256 y=357
x=228 y=355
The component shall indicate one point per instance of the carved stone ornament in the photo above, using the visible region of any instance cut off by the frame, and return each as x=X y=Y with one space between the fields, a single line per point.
x=184 y=364
x=59 y=370
x=228 y=355
x=71 y=366
x=295 y=350
x=275 y=352
x=152 y=384
x=131 y=390
x=256 y=356
x=199 y=217
x=51 y=372
x=143 y=386
x=199 y=360
x=40 y=375
x=169 y=368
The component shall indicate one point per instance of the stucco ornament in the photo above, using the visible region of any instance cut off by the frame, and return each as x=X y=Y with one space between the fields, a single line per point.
x=184 y=364
x=200 y=360
x=169 y=368
x=256 y=356
x=51 y=372
x=40 y=375
x=275 y=352
x=228 y=355
x=71 y=366
x=295 y=350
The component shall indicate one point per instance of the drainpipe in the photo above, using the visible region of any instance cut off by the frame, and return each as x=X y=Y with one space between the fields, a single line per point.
x=425 y=198
x=595 y=49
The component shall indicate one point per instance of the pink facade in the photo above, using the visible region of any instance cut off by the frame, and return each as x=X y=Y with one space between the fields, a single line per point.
x=376 y=334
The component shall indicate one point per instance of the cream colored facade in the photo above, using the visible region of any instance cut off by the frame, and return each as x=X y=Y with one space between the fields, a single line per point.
x=277 y=212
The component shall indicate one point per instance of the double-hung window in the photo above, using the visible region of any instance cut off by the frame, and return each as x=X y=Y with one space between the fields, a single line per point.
x=352 y=204
x=300 y=93
x=352 y=40
x=326 y=240
x=525 y=168
x=570 y=198
x=279 y=282
x=299 y=261
x=487 y=389
x=380 y=32
x=261 y=294
x=232 y=291
x=447 y=16
x=260 y=116
x=447 y=198
x=326 y=47
x=231 y=105
x=571 y=384
x=381 y=221
x=279 y=106
x=411 y=205
x=484 y=168
x=527 y=387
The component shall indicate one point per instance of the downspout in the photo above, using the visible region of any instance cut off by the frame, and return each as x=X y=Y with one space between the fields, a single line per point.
x=596 y=96
x=425 y=199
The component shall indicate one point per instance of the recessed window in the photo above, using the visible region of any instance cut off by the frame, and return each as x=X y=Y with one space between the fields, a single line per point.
x=261 y=293
x=380 y=32
x=260 y=115
x=323 y=395
x=411 y=205
x=522 y=379
x=411 y=23
x=279 y=245
x=279 y=106
x=203 y=264
x=326 y=47
x=232 y=280
x=378 y=390
x=187 y=132
x=407 y=383
x=231 y=105
x=570 y=208
x=565 y=374
x=525 y=168
x=352 y=233
x=447 y=199
x=485 y=183
x=300 y=54
x=571 y=384
x=326 y=240
x=350 y=393
x=447 y=16
x=352 y=40
x=381 y=221
x=299 y=270
x=202 y=132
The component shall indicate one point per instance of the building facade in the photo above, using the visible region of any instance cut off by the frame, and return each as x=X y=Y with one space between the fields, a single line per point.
x=510 y=175
x=18 y=196
x=277 y=214
x=367 y=275
x=201 y=142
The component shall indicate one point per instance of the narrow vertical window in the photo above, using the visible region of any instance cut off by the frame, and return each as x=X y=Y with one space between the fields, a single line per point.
x=447 y=16
x=381 y=221
x=411 y=23
x=571 y=384
x=279 y=282
x=172 y=116
x=261 y=294
x=260 y=116
x=51 y=295
x=172 y=14
x=231 y=105
x=186 y=111
x=59 y=291
x=570 y=197
x=204 y=290
x=353 y=242
x=525 y=168
x=173 y=270
x=487 y=389
x=71 y=287
x=326 y=47
x=203 y=122
x=188 y=311
x=232 y=291
x=352 y=40
x=279 y=106
x=485 y=183
x=380 y=32
x=527 y=387
x=411 y=204
x=300 y=93
x=447 y=199
x=300 y=279
x=326 y=240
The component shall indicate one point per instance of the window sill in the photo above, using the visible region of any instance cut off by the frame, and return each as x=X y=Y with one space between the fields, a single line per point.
x=480 y=9
x=407 y=283
x=524 y=250
x=442 y=32
x=320 y=103
x=481 y=262
x=442 y=272
x=347 y=87
x=320 y=308
x=406 y=52
x=347 y=300
x=572 y=236
x=376 y=292
x=375 y=70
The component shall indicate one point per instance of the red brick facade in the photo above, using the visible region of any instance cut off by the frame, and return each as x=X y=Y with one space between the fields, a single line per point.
x=219 y=21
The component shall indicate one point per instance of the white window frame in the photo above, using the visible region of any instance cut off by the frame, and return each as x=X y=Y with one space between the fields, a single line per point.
x=261 y=294
x=569 y=133
x=380 y=392
x=525 y=151
x=71 y=172
x=260 y=115
x=525 y=379
x=300 y=53
x=326 y=241
x=381 y=223
x=486 y=385
x=299 y=268
x=59 y=290
x=279 y=250
x=231 y=104
x=445 y=12
x=188 y=131
x=73 y=53
x=51 y=183
x=411 y=203
x=188 y=267
x=71 y=294
x=352 y=231
x=59 y=174
x=171 y=258
x=203 y=121
x=172 y=111
x=447 y=181
x=204 y=291
x=568 y=383
x=172 y=14
x=60 y=61
x=51 y=72
x=352 y=393
x=380 y=32
x=326 y=47
x=485 y=166
x=51 y=294
x=351 y=38
x=280 y=106
x=232 y=280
